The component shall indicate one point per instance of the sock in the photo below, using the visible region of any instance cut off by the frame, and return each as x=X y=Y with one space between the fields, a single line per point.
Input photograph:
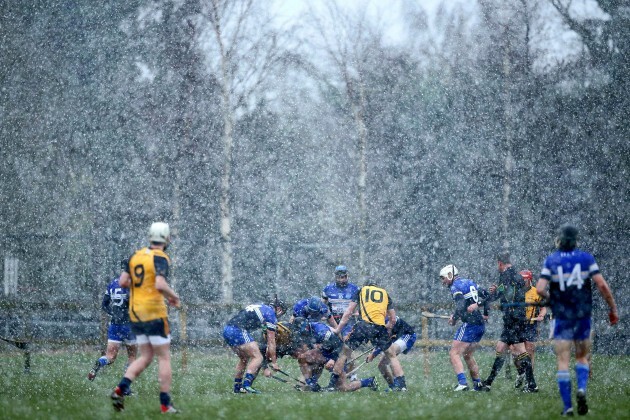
x=102 y=361
x=526 y=365
x=581 y=371
x=400 y=382
x=334 y=378
x=249 y=379
x=367 y=382
x=461 y=379
x=496 y=367
x=564 y=385
x=124 y=385
x=238 y=384
x=477 y=382
x=165 y=399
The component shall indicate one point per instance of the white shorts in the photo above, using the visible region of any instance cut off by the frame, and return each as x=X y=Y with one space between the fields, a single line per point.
x=154 y=340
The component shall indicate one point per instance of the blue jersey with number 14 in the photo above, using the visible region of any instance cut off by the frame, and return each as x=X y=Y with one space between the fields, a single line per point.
x=570 y=288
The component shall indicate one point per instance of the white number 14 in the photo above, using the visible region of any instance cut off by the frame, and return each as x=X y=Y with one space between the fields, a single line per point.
x=575 y=279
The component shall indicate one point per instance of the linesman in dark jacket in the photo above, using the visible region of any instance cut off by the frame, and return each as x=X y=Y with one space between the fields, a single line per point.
x=511 y=293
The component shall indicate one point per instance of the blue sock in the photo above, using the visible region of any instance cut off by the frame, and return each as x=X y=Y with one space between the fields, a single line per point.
x=124 y=385
x=103 y=361
x=238 y=384
x=477 y=382
x=165 y=399
x=461 y=379
x=581 y=371
x=564 y=385
x=249 y=379
x=367 y=382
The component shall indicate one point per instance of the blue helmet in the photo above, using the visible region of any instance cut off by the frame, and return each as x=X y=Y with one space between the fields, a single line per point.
x=313 y=305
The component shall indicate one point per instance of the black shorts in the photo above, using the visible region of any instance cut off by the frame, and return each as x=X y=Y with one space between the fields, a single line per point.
x=156 y=327
x=513 y=332
x=531 y=332
x=362 y=332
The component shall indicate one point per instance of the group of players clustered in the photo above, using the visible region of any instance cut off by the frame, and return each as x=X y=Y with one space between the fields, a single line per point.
x=322 y=333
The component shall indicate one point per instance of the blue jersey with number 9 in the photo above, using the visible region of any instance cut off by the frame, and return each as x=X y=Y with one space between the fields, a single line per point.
x=569 y=275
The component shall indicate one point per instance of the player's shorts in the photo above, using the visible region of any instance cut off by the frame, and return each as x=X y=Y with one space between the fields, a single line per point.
x=234 y=336
x=117 y=333
x=331 y=348
x=406 y=342
x=513 y=332
x=572 y=329
x=156 y=332
x=531 y=332
x=469 y=333
x=362 y=332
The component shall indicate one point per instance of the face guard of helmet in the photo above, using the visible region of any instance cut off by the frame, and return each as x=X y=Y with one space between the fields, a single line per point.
x=448 y=274
x=567 y=238
x=526 y=274
x=341 y=275
x=301 y=326
x=159 y=233
x=313 y=306
x=279 y=305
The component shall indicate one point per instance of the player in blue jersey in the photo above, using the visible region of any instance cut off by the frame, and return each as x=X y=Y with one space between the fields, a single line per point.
x=402 y=340
x=313 y=309
x=466 y=294
x=237 y=335
x=570 y=272
x=511 y=291
x=325 y=346
x=116 y=304
x=338 y=296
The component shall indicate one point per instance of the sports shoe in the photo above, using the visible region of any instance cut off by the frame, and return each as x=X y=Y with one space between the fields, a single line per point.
x=129 y=393
x=582 y=407
x=168 y=409
x=330 y=389
x=530 y=388
x=567 y=413
x=374 y=385
x=481 y=387
x=94 y=371
x=520 y=380
x=461 y=387
x=118 y=399
x=249 y=390
x=354 y=378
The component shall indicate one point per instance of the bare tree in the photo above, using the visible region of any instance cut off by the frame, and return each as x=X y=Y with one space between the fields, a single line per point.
x=243 y=47
x=346 y=40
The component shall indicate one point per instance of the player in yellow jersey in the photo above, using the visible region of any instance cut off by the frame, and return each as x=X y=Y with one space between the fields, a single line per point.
x=146 y=274
x=374 y=305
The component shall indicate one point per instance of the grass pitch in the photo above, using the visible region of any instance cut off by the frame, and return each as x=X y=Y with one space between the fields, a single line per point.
x=57 y=387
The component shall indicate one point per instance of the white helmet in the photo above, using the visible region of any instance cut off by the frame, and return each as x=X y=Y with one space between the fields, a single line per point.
x=160 y=233
x=450 y=272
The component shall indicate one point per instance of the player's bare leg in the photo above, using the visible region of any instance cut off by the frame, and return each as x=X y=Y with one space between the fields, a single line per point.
x=458 y=348
x=250 y=353
x=110 y=356
x=563 y=355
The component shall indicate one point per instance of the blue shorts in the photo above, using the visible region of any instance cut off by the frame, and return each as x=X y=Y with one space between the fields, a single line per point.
x=572 y=329
x=469 y=333
x=121 y=334
x=409 y=340
x=235 y=336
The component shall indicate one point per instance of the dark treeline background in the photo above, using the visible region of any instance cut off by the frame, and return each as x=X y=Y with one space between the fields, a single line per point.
x=317 y=143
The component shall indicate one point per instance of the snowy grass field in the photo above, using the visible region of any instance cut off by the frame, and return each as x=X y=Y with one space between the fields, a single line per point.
x=57 y=387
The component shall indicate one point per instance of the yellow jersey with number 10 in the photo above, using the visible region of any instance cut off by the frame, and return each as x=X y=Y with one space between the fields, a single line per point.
x=146 y=303
x=373 y=304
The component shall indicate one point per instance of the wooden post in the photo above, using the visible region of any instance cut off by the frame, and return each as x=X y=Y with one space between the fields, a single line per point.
x=425 y=346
